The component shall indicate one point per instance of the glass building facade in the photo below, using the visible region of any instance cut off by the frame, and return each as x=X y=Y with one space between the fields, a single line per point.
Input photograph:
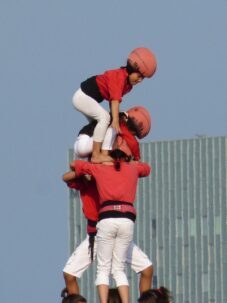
x=181 y=220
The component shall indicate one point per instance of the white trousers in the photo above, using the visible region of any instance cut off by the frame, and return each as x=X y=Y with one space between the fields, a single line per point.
x=92 y=111
x=83 y=146
x=84 y=143
x=80 y=259
x=114 y=235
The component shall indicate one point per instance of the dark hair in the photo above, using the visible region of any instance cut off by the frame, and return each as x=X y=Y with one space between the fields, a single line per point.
x=123 y=116
x=91 y=245
x=156 y=295
x=118 y=155
x=133 y=126
x=131 y=123
x=88 y=129
x=114 y=296
x=74 y=299
x=129 y=68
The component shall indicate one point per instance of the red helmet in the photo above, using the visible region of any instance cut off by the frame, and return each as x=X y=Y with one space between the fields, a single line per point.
x=143 y=60
x=142 y=120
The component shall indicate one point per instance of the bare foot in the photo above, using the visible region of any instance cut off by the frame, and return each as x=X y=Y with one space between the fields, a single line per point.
x=101 y=158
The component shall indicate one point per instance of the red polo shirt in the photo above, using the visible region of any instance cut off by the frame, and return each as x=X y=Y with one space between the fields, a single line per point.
x=113 y=84
x=131 y=141
x=112 y=184
x=89 y=197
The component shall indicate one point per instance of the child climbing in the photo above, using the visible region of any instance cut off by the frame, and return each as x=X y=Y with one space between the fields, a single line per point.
x=112 y=85
x=135 y=122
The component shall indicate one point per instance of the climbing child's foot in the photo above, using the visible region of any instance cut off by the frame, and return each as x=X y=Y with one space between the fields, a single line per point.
x=100 y=158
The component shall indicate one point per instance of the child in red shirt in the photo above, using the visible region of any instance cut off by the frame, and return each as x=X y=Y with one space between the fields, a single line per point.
x=111 y=86
x=135 y=122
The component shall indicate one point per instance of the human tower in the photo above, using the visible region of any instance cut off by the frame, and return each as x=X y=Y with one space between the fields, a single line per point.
x=107 y=178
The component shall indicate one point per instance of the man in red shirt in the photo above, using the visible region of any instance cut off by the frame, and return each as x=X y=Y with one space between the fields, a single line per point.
x=127 y=177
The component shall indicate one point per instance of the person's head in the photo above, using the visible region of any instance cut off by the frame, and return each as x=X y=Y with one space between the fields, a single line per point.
x=114 y=296
x=74 y=299
x=141 y=63
x=135 y=78
x=119 y=156
x=138 y=121
x=156 y=295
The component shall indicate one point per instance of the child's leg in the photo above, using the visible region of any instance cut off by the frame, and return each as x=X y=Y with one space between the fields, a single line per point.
x=75 y=266
x=71 y=284
x=142 y=265
x=146 y=276
x=124 y=293
x=97 y=156
x=121 y=245
x=106 y=232
x=92 y=109
x=109 y=139
x=103 y=291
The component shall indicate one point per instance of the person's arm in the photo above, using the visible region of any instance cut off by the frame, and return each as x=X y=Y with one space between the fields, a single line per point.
x=69 y=176
x=115 y=116
x=73 y=178
x=131 y=141
x=72 y=165
x=84 y=167
x=143 y=169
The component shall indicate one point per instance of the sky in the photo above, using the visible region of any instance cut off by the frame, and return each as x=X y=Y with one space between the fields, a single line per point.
x=47 y=48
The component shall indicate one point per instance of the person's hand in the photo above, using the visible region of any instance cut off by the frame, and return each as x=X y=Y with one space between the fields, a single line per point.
x=116 y=126
x=64 y=293
x=69 y=176
x=72 y=166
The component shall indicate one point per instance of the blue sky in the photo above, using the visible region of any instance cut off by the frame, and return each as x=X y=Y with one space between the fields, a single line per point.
x=46 y=49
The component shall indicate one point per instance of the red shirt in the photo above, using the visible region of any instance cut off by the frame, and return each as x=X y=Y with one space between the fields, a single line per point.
x=131 y=141
x=112 y=184
x=89 y=197
x=113 y=84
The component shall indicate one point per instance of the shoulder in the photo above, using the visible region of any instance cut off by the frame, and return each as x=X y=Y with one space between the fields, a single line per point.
x=82 y=164
x=118 y=72
x=139 y=164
